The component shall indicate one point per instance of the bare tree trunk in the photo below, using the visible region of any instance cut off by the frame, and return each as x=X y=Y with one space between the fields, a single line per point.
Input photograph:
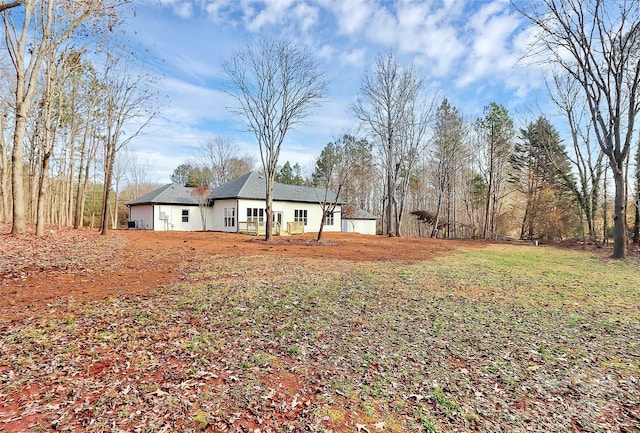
x=19 y=223
x=320 y=230
x=5 y=215
x=268 y=227
x=436 y=218
x=619 y=214
x=636 y=222
x=605 y=211
x=106 y=192
x=43 y=183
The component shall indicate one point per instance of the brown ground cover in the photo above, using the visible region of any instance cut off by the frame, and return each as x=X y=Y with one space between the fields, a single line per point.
x=61 y=274
x=69 y=265
x=141 y=331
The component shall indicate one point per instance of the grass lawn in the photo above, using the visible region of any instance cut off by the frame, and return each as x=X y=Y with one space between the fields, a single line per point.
x=499 y=339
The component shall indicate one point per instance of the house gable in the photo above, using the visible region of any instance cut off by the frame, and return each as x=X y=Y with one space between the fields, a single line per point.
x=168 y=194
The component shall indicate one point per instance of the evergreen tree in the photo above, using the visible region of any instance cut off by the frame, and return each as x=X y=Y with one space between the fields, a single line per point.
x=542 y=173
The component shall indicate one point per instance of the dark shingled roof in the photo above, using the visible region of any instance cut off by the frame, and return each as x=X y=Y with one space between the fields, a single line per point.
x=168 y=194
x=249 y=186
x=252 y=186
x=357 y=214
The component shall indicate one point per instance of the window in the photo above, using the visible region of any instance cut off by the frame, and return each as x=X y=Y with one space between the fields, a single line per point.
x=300 y=215
x=229 y=217
x=185 y=215
x=329 y=219
x=255 y=214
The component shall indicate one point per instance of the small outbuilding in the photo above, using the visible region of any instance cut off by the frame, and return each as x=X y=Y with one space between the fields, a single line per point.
x=356 y=220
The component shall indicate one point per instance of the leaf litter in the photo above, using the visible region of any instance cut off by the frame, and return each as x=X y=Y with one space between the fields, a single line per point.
x=264 y=343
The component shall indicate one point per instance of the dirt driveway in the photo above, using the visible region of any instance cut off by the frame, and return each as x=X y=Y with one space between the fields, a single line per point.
x=79 y=265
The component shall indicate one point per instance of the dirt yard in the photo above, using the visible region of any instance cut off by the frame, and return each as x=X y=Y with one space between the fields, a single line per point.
x=141 y=331
x=74 y=266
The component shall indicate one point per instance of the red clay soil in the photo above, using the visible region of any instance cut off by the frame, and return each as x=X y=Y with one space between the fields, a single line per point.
x=78 y=265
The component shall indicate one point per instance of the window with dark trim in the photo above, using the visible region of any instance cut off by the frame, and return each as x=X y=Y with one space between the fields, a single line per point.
x=300 y=215
x=329 y=220
x=229 y=217
x=185 y=215
x=255 y=214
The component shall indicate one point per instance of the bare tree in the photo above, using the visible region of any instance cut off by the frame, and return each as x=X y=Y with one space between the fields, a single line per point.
x=495 y=130
x=217 y=155
x=88 y=149
x=596 y=43
x=137 y=179
x=411 y=146
x=387 y=106
x=202 y=193
x=240 y=165
x=448 y=137
x=586 y=159
x=29 y=42
x=275 y=85
x=4 y=5
x=126 y=100
x=332 y=174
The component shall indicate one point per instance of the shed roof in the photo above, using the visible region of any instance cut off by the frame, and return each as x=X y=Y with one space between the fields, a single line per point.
x=168 y=194
x=353 y=213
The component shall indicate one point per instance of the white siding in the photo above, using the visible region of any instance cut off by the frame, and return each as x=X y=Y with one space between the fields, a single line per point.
x=148 y=216
x=174 y=218
x=365 y=227
x=314 y=213
x=142 y=215
x=217 y=216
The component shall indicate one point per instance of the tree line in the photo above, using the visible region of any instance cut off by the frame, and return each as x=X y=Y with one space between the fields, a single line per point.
x=71 y=102
x=417 y=161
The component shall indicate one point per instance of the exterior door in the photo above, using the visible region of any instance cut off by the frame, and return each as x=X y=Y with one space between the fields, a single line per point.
x=277 y=219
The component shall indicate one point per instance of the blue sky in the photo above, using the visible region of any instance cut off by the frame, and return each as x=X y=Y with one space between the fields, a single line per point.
x=470 y=51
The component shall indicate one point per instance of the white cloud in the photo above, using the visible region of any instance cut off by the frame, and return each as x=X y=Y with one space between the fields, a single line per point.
x=183 y=10
x=383 y=28
x=306 y=16
x=430 y=33
x=352 y=15
x=492 y=55
x=354 y=57
x=217 y=10
x=259 y=14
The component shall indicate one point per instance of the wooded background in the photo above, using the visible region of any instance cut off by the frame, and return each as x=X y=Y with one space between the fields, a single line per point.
x=424 y=166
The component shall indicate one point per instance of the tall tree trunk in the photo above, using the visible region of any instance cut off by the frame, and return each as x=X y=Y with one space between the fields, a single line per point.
x=43 y=182
x=389 y=203
x=5 y=216
x=324 y=217
x=19 y=224
x=619 y=215
x=268 y=227
x=106 y=192
x=436 y=218
x=605 y=211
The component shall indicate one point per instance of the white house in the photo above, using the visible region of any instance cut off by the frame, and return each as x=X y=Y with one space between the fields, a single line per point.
x=237 y=206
